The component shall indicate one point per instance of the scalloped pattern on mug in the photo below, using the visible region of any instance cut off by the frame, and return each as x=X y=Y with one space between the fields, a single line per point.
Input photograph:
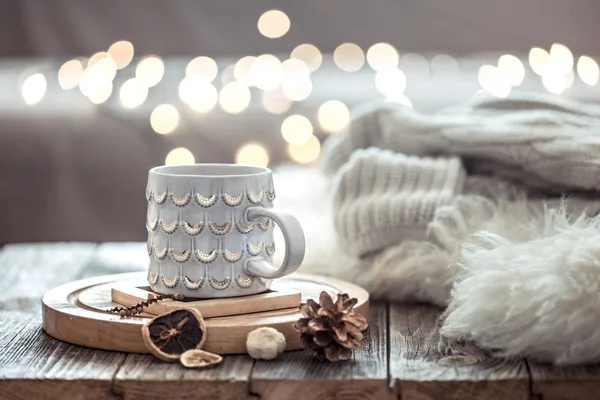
x=233 y=201
x=149 y=246
x=160 y=254
x=193 y=284
x=168 y=227
x=233 y=256
x=159 y=198
x=180 y=256
x=152 y=277
x=206 y=258
x=180 y=201
x=219 y=284
x=148 y=195
x=271 y=195
x=255 y=249
x=255 y=198
x=270 y=249
x=151 y=224
x=243 y=228
x=169 y=282
x=264 y=223
x=220 y=230
x=192 y=230
x=205 y=201
x=244 y=283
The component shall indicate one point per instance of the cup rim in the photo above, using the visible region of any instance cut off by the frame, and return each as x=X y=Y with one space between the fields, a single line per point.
x=237 y=170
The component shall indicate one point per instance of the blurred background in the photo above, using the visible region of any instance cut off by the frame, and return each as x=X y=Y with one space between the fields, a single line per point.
x=94 y=93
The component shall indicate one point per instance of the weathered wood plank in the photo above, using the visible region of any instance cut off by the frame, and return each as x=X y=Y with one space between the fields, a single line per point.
x=116 y=258
x=564 y=383
x=33 y=365
x=425 y=366
x=29 y=270
x=301 y=375
x=145 y=377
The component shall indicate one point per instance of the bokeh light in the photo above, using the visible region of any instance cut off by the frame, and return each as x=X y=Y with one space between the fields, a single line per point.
x=252 y=154
x=538 y=58
x=203 y=67
x=96 y=57
x=266 y=72
x=296 y=129
x=297 y=89
x=561 y=58
x=234 y=97
x=333 y=116
x=308 y=53
x=588 y=71
x=494 y=81
x=133 y=93
x=569 y=79
x=349 y=57
x=101 y=94
x=69 y=74
x=553 y=78
x=390 y=81
x=122 y=53
x=164 y=119
x=513 y=68
x=294 y=68
x=306 y=152
x=413 y=63
x=273 y=24
x=150 y=70
x=275 y=102
x=382 y=56
x=199 y=94
x=444 y=65
x=33 y=88
x=180 y=156
x=241 y=70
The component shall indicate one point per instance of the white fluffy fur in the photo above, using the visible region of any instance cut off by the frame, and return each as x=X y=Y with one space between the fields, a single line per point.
x=525 y=281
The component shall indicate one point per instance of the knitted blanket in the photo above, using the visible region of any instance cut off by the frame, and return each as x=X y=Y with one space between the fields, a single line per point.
x=486 y=209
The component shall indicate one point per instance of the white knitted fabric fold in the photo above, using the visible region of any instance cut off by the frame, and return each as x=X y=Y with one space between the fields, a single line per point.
x=384 y=198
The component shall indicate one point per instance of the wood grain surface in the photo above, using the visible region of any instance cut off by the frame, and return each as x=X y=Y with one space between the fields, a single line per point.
x=405 y=357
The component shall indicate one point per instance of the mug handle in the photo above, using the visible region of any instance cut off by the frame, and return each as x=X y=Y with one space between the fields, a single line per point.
x=294 y=244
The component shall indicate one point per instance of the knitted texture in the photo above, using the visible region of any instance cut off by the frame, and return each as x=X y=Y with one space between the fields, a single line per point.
x=544 y=143
x=384 y=198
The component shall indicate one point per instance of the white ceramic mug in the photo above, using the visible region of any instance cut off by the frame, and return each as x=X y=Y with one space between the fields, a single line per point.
x=210 y=230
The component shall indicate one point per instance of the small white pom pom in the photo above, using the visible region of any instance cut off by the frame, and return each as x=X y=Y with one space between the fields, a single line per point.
x=265 y=343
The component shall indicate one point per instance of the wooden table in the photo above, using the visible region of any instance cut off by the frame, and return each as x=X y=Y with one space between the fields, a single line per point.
x=405 y=357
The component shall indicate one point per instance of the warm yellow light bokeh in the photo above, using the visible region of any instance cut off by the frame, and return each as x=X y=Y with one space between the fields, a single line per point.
x=333 y=116
x=297 y=89
x=561 y=58
x=203 y=67
x=382 y=56
x=349 y=57
x=164 y=119
x=122 y=53
x=390 y=81
x=69 y=74
x=306 y=152
x=275 y=102
x=241 y=70
x=266 y=72
x=252 y=154
x=150 y=70
x=273 y=24
x=538 y=58
x=494 y=81
x=199 y=94
x=308 y=53
x=513 y=68
x=33 y=89
x=296 y=129
x=234 y=97
x=588 y=71
x=101 y=94
x=133 y=93
x=96 y=57
x=180 y=156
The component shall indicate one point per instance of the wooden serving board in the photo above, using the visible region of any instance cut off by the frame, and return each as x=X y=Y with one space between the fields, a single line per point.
x=282 y=295
x=75 y=313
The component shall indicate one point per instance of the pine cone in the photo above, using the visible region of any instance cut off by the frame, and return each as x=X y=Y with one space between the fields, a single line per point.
x=331 y=329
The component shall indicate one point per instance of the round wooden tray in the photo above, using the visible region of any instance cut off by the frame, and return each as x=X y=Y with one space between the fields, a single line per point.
x=75 y=313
